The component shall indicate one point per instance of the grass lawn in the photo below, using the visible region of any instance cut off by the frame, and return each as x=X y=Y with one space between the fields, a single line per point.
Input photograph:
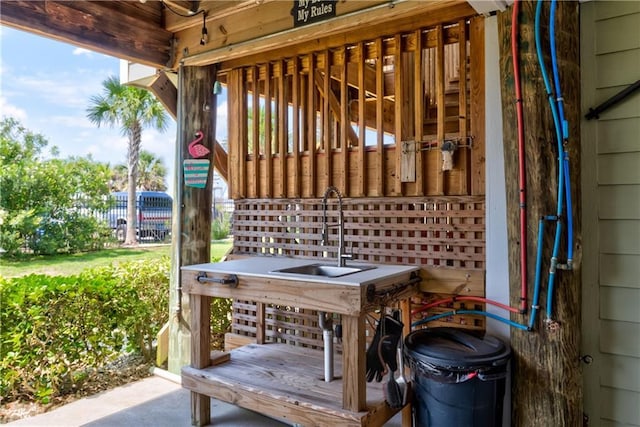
x=72 y=264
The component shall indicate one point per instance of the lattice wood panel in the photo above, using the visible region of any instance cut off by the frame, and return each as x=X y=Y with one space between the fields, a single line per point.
x=288 y=325
x=426 y=231
x=445 y=232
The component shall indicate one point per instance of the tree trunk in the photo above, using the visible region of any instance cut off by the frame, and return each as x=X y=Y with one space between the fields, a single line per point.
x=547 y=382
x=133 y=155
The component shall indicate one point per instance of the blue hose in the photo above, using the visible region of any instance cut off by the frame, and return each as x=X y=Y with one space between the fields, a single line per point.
x=477 y=312
x=564 y=131
x=559 y=139
x=567 y=183
x=536 y=286
x=556 y=73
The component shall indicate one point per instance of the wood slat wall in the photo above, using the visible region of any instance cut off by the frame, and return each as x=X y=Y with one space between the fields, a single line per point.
x=368 y=117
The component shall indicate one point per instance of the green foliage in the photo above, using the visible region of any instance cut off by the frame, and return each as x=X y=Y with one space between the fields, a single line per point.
x=220 y=315
x=132 y=109
x=55 y=328
x=221 y=226
x=40 y=207
x=151 y=174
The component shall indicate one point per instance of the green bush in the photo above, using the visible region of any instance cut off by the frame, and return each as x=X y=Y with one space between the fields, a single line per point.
x=221 y=226
x=47 y=203
x=54 y=328
x=71 y=233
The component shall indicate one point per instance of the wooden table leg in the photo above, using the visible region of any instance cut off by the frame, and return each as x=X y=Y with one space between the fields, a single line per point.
x=200 y=307
x=354 y=385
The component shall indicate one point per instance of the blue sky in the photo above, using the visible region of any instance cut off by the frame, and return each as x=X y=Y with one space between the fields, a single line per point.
x=46 y=85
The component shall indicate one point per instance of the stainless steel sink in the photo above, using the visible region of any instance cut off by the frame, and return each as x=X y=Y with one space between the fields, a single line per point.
x=325 y=270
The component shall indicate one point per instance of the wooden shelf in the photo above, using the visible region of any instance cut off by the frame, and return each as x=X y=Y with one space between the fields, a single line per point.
x=286 y=382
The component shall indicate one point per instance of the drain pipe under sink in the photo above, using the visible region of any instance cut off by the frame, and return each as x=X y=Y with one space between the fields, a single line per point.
x=326 y=323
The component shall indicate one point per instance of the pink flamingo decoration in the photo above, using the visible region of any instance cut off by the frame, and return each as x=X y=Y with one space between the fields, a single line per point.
x=198 y=150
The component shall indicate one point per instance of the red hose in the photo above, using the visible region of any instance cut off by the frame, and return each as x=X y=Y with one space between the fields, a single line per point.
x=521 y=158
x=454 y=299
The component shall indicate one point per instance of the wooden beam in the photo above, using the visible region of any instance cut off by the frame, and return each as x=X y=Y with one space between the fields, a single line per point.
x=418 y=110
x=93 y=25
x=312 y=109
x=362 y=130
x=379 y=117
x=295 y=101
x=549 y=356
x=399 y=101
x=195 y=220
x=336 y=107
x=221 y=160
x=255 y=131
x=463 y=159
x=326 y=120
x=477 y=95
x=356 y=21
x=235 y=159
x=268 y=128
x=354 y=364
x=345 y=126
x=281 y=123
x=166 y=92
x=440 y=99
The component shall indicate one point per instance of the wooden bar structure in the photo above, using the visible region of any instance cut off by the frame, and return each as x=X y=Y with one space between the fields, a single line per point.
x=364 y=100
x=369 y=117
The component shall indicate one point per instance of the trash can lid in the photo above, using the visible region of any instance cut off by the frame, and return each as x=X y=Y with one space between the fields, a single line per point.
x=454 y=348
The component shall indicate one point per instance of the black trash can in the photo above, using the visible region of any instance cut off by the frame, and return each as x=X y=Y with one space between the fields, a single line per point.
x=458 y=378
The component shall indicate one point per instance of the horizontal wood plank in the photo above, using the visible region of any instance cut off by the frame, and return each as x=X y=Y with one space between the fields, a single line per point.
x=285 y=382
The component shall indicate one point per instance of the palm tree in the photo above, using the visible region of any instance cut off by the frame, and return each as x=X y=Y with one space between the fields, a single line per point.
x=132 y=109
x=151 y=174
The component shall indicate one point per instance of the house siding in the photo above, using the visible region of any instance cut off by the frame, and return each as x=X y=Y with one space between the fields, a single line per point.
x=610 y=58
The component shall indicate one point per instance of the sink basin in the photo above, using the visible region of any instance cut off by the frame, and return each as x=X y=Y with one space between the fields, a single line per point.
x=324 y=270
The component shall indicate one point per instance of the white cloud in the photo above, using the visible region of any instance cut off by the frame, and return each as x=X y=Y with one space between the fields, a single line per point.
x=59 y=90
x=8 y=110
x=82 y=51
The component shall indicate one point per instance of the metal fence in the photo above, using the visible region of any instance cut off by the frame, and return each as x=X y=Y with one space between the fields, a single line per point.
x=154 y=211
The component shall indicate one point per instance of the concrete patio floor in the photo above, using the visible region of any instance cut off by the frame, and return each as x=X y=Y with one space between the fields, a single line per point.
x=157 y=401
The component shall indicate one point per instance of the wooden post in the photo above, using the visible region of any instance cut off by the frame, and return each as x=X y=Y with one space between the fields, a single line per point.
x=547 y=382
x=190 y=336
x=354 y=391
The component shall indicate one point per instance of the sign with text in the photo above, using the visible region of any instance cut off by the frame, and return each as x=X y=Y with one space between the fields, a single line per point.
x=309 y=11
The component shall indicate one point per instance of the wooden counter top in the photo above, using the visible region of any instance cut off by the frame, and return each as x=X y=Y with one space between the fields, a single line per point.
x=257 y=280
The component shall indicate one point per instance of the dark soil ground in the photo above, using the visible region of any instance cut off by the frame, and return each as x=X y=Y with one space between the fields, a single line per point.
x=123 y=371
